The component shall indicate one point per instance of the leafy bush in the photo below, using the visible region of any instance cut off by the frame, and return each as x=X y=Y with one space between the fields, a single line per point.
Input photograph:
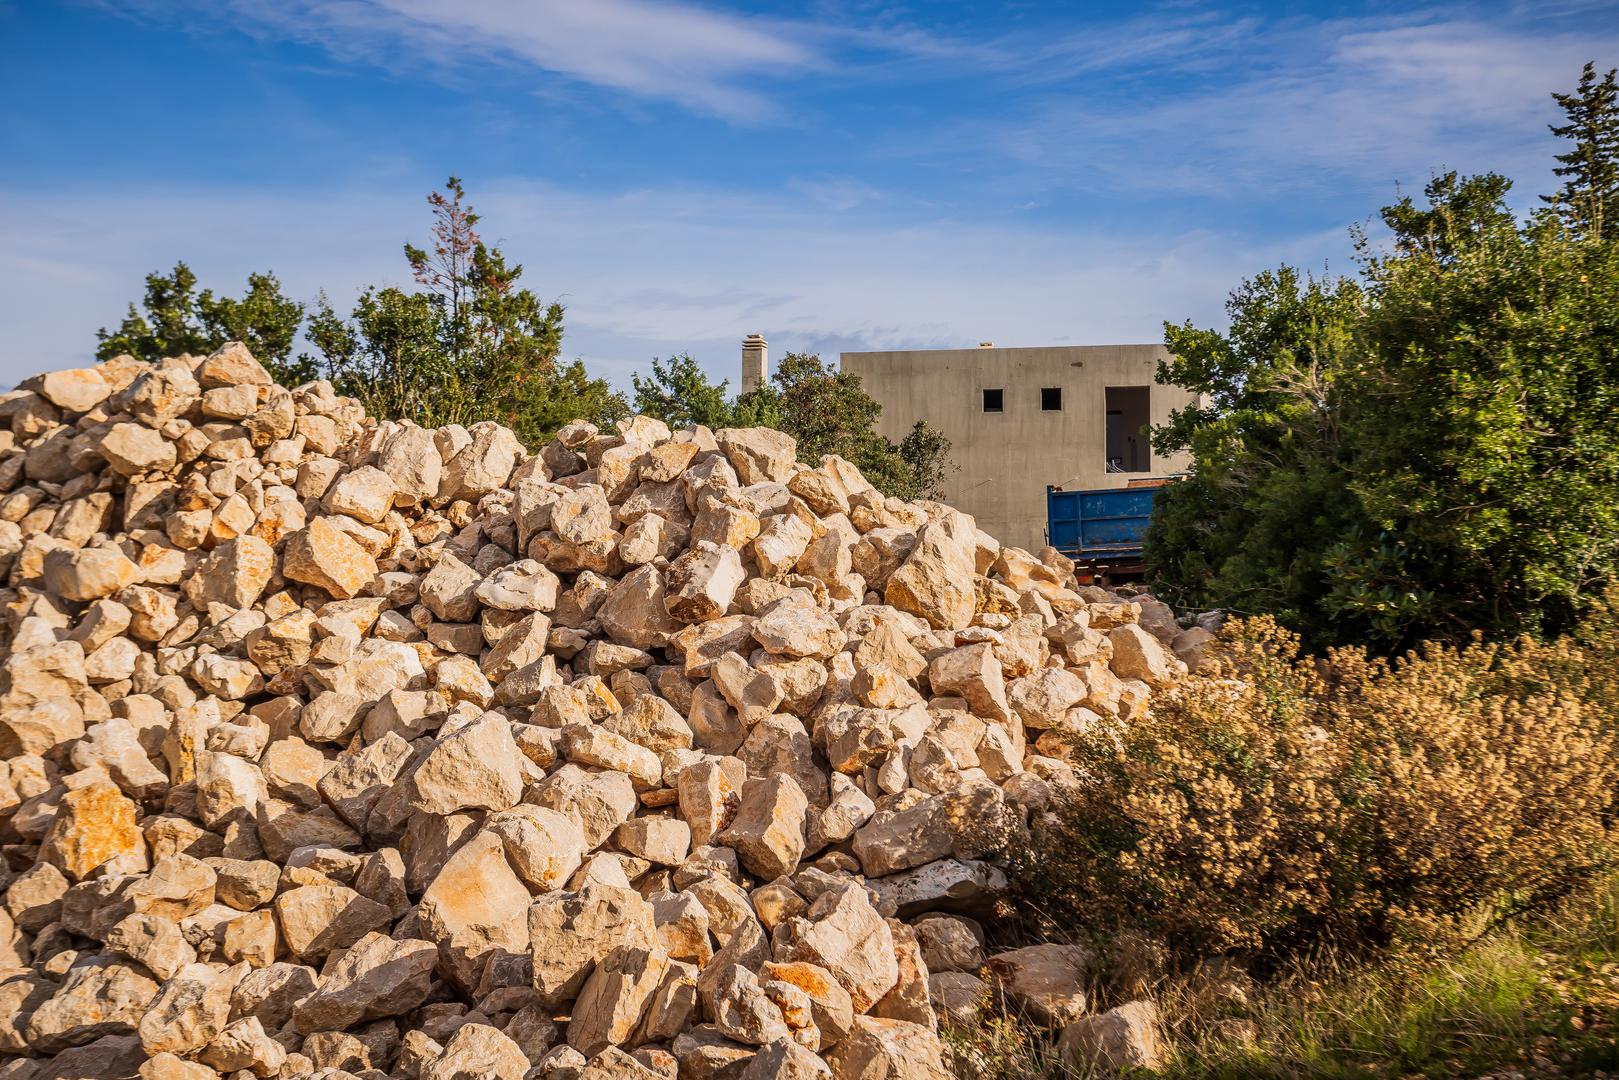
x=1283 y=803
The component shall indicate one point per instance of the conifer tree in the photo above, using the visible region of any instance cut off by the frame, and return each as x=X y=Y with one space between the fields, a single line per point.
x=1589 y=200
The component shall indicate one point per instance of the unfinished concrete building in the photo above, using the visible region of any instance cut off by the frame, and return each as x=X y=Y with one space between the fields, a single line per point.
x=1072 y=416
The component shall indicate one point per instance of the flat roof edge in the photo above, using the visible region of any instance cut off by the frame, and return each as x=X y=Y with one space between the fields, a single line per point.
x=1010 y=348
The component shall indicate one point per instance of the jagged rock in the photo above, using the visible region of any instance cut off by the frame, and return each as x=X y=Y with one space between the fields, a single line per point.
x=76 y=390
x=476 y=906
x=270 y=993
x=785 y=1059
x=450 y=589
x=476 y=767
x=94 y=824
x=156 y=943
x=318 y=919
x=1139 y=655
x=615 y=996
x=768 y=829
x=81 y=574
x=957 y=996
x=831 y=1007
x=412 y=462
x=759 y=455
x=365 y=494
x=526 y=585
x=376 y=977
x=936 y=580
x=950 y=943
x=189 y=1011
x=478 y=1052
x=1119 y=1040
x=483 y=465
x=132 y=449
x=702 y=582
x=96 y=998
x=244 y=1045
x=598 y=801
x=570 y=932
x=844 y=934
x=967 y=821
x=231 y=365
x=21 y=992
x=878 y=1049
x=1046 y=981
x=543 y=846
x=111 y=1057
x=328 y=558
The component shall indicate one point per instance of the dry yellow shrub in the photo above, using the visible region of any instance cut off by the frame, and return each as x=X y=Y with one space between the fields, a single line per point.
x=1286 y=802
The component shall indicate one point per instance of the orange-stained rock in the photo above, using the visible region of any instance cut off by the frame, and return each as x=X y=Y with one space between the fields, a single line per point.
x=93 y=825
x=324 y=555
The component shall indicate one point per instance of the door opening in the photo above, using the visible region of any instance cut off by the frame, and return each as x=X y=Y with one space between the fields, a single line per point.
x=1128 y=414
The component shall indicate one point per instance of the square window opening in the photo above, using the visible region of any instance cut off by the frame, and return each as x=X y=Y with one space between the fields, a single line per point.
x=1051 y=399
x=993 y=400
x=1128 y=414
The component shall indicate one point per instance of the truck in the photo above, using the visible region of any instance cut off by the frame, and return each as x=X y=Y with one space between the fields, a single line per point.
x=1102 y=529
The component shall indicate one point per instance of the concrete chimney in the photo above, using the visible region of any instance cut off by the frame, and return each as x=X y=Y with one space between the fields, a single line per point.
x=755 y=362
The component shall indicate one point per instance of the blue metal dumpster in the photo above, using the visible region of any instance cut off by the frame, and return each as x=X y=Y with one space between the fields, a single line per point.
x=1110 y=524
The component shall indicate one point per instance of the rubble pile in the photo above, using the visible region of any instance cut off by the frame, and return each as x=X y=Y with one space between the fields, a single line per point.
x=340 y=747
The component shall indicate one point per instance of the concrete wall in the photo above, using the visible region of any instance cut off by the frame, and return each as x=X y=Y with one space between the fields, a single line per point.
x=1005 y=460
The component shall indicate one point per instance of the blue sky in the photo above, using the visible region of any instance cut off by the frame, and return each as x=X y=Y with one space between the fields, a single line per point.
x=835 y=175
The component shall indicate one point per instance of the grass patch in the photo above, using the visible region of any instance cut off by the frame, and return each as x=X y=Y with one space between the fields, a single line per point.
x=1534 y=1000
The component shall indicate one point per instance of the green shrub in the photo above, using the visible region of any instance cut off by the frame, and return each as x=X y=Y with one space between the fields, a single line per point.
x=1285 y=803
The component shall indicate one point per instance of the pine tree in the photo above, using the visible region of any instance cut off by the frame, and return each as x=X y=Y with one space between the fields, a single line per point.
x=1589 y=201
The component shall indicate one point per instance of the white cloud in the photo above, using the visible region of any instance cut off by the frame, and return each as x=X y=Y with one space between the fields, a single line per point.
x=643 y=273
x=698 y=57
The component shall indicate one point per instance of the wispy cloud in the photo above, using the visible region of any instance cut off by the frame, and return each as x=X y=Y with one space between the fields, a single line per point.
x=694 y=56
x=1313 y=103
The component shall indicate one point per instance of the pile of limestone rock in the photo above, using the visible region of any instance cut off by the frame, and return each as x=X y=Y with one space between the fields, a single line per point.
x=341 y=747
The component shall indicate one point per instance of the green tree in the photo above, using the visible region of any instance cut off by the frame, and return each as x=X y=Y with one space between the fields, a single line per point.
x=680 y=394
x=1460 y=212
x=470 y=345
x=1425 y=451
x=1248 y=529
x=1486 y=432
x=178 y=319
x=1589 y=199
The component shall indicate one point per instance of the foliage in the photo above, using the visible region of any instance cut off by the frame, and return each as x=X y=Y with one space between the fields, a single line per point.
x=1429 y=449
x=1589 y=199
x=1346 y=801
x=1486 y=433
x=1248 y=530
x=825 y=410
x=177 y=319
x=470 y=345
x=680 y=394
